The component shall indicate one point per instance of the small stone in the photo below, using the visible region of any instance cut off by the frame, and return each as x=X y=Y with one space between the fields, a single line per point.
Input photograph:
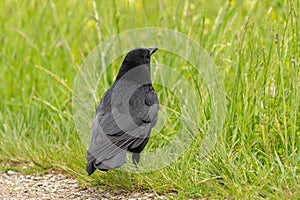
x=106 y=195
x=136 y=195
x=39 y=184
x=36 y=178
x=77 y=193
x=9 y=172
x=17 y=188
x=149 y=195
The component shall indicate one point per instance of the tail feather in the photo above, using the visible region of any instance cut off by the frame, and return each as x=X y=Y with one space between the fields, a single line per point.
x=90 y=167
x=105 y=165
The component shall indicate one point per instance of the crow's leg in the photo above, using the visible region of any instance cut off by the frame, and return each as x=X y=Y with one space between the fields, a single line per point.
x=136 y=158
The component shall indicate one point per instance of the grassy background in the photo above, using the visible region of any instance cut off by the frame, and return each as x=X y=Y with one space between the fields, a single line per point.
x=254 y=43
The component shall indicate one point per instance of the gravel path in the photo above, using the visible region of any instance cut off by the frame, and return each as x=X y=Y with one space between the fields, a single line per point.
x=14 y=185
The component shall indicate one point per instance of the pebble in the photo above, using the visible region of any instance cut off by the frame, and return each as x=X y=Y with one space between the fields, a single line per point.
x=9 y=172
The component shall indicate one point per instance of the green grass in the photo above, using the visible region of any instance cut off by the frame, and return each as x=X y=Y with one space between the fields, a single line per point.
x=255 y=45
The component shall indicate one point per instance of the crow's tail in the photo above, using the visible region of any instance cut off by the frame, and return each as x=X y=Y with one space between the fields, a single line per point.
x=111 y=163
x=90 y=167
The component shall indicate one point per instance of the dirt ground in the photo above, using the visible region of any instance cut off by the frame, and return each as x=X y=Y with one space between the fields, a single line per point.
x=54 y=185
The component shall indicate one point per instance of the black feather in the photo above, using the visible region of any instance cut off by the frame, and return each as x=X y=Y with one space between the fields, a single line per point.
x=125 y=116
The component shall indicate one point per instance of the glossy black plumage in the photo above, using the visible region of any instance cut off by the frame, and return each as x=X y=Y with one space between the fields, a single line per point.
x=125 y=116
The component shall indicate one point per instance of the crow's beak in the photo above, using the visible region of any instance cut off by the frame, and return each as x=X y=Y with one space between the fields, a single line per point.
x=152 y=50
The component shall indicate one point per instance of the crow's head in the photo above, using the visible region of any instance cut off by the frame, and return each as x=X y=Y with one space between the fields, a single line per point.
x=136 y=57
x=139 y=56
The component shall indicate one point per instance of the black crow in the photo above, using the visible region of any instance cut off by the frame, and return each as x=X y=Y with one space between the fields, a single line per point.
x=125 y=116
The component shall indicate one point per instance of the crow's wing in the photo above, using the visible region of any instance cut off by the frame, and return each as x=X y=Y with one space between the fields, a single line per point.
x=117 y=128
x=108 y=142
x=144 y=111
x=151 y=100
x=144 y=106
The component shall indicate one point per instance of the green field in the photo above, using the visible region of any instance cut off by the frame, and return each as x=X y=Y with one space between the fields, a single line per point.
x=254 y=44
